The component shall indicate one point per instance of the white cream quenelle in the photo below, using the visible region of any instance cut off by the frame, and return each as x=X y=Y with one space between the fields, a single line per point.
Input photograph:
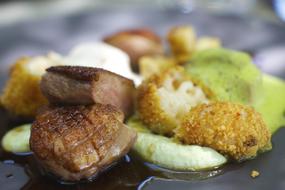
x=102 y=55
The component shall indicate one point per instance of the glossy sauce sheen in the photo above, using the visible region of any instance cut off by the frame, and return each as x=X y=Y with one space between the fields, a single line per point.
x=22 y=171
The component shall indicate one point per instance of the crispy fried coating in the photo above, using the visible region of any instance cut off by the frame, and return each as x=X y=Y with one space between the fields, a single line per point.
x=164 y=98
x=232 y=129
x=22 y=95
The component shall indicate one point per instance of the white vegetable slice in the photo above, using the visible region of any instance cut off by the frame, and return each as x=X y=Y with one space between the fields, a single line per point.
x=17 y=139
x=167 y=153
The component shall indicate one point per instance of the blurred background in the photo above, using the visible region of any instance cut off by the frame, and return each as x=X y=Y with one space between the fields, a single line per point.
x=33 y=27
x=14 y=11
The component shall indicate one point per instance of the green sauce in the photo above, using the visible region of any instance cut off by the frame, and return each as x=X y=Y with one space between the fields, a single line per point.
x=230 y=75
x=272 y=107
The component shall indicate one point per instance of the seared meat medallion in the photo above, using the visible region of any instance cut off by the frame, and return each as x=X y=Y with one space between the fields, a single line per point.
x=75 y=85
x=77 y=142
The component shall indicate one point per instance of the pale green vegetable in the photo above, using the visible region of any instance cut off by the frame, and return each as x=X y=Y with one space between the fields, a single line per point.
x=167 y=153
x=17 y=139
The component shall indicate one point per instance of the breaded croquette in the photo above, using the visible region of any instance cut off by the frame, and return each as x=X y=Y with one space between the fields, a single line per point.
x=21 y=94
x=163 y=99
x=232 y=129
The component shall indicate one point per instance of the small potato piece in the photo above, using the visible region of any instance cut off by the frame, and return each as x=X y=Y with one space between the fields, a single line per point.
x=136 y=43
x=182 y=42
x=232 y=129
x=207 y=43
x=17 y=139
x=150 y=65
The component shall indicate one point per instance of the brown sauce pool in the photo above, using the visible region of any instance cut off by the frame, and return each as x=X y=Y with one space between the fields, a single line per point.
x=22 y=171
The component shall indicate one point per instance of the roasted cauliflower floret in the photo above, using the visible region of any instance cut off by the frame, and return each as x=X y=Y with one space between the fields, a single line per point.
x=232 y=129
x=165 y=98
x=21 y=94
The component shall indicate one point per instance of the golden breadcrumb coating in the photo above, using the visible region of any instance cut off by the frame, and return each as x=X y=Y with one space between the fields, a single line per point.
x=232 y=129
x=150 y=112
x=22 y=95
x=164 y=98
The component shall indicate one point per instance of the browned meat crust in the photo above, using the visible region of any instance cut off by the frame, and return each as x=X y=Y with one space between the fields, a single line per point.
x=77 y=142
x=78 y=73
x=74 y=85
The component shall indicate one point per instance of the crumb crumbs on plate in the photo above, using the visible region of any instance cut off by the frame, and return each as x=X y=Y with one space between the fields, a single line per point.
x=254 y=174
